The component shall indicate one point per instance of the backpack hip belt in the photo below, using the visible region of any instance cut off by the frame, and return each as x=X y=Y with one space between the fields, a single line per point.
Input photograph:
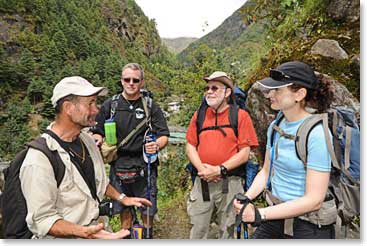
x=326 y=215
x=129 y=177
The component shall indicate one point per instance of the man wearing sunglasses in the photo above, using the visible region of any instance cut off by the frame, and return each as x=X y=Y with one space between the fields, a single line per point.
x=216 y=152
x=129 y=115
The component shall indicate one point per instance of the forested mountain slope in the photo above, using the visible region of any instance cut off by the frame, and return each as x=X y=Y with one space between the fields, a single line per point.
x=176 y=45
x=264 y=33
x=43 y=41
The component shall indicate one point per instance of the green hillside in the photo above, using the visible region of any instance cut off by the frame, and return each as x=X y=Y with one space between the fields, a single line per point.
x=176 y=45
x=45 y=40
x=275 y=31
x=42 y=41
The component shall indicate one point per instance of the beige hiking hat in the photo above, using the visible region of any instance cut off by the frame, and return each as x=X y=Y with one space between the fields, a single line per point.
x=221 y=77
x=75 y=85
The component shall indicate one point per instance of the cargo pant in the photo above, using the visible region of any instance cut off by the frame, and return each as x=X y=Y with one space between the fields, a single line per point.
x=201 y=212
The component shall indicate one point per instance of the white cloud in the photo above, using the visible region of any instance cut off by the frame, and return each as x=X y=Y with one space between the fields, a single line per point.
x=188 y=18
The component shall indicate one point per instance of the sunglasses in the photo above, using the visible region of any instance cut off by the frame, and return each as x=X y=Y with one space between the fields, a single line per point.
x=213 y=88
x=278 y=75
x=128 y=80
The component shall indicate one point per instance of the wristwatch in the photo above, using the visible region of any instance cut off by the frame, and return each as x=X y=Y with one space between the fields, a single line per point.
x=223 y=171
x=121 y=196
x=263 y=217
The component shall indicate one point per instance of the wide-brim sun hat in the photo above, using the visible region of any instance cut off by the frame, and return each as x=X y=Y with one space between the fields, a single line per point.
x=75 y=85
x=220 y=77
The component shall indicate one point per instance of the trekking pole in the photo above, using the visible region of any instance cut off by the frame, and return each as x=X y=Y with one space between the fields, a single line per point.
x=239 y=232
x=148 y=196
x=136 y=230
x=245 y=201
x=245 y=230
x=149 y=137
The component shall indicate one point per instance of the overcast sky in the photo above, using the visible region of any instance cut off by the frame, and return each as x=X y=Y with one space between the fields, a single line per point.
x=188 y=18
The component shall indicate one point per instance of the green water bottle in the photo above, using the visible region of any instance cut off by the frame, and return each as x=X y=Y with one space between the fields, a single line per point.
x=110 y=132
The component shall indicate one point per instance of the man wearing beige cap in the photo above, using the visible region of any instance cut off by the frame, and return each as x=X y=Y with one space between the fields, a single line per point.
x=70 y=208
x=218 y=154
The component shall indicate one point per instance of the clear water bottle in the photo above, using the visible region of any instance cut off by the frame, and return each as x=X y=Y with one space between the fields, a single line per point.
x=110 y=132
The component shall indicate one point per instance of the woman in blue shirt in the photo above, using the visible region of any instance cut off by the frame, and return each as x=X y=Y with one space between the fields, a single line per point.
x=299 y=189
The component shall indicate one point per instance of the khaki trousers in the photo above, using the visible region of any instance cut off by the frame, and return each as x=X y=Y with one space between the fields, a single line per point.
x=201 y=212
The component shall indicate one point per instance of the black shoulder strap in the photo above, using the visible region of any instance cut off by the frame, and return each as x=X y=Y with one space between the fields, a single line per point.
x=54 y=158
x=200 y=117
x=77 y=165
x=233 y=117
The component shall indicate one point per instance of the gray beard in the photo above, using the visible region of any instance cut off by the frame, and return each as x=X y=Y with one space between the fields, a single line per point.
x=213 y=105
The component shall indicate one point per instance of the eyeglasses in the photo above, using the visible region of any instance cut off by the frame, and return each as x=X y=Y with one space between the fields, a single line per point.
x=278 y=75
x=128 y=80
x=213 y=88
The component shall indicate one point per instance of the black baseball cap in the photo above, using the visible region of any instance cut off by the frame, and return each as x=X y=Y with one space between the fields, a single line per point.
x=288 y=73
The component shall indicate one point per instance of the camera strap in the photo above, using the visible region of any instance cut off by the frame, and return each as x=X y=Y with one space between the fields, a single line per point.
x=76 y=163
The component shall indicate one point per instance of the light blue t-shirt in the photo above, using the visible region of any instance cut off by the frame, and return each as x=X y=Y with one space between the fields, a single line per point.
x=289 y=180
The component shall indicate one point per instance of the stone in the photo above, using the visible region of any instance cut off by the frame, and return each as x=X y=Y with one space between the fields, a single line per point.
x=344 y=10
x=329 y=48
x=355 y=64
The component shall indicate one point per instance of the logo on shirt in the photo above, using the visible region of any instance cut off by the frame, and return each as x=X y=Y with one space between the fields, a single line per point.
x=139 y=113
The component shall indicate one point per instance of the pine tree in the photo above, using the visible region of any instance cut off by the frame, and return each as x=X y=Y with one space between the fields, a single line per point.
x=26 y=66
x=51 y=59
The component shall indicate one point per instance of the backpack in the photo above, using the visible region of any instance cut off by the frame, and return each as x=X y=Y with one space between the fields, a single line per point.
x=239 y=103
x=240 y=97
x=249 y=169
x=344 y=184
x=13 y=203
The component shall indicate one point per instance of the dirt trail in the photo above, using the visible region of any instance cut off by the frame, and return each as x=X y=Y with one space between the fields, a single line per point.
x=173 y=222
